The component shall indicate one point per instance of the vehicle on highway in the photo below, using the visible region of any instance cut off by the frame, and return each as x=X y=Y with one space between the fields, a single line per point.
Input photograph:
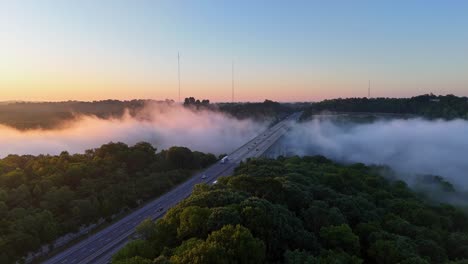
x=203 y=176
x=135 y=236
x=118 y=234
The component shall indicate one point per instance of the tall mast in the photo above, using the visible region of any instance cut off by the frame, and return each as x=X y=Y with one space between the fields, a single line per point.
x=232 y=85
x=178 y=71
x=368 y=90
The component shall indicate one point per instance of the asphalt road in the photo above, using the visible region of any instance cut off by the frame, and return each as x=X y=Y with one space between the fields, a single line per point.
x=99 y=247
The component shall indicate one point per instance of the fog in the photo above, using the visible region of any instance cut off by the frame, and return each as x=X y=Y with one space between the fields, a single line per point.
x=162 y=125
x=409 y=147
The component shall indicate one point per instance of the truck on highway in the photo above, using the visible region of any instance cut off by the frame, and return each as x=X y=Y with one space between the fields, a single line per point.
x=225 y=159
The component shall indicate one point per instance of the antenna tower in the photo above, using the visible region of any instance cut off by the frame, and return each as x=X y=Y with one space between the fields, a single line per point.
x=368 y=91
x=178 y=71
x=232 y=85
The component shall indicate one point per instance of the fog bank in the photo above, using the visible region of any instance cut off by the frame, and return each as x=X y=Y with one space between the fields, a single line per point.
x=413 y=146
x=162 y=125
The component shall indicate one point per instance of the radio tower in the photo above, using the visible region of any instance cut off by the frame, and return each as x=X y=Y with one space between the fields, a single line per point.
x=232 y=85
x=178 y=71
x=368 y=91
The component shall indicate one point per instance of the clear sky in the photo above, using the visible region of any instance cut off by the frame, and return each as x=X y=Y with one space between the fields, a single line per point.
x=282 y=50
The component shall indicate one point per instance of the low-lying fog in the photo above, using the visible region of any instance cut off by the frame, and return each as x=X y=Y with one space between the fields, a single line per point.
x=412 y=146
x=165 y=126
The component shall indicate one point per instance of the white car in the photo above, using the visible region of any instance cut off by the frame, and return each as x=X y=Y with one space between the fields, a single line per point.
x=203 y=176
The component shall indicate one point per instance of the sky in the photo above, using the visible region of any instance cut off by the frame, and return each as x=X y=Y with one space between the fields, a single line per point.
x=281 y=50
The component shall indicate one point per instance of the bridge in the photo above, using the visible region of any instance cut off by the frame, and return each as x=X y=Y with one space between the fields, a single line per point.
x=99 y=247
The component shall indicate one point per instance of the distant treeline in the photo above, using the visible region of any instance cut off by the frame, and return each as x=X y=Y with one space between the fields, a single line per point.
x=50 y=115
x=429 y=106
x=267 y=110
x=303 y=210
x=43 y=197
x=47 y=115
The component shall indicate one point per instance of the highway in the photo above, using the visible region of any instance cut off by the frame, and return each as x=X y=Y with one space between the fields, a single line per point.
x=99 y=247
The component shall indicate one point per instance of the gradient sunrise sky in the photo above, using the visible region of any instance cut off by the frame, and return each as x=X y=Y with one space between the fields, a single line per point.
x=283 y=50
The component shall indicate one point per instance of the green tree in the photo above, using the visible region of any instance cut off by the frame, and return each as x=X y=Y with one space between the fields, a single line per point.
x=134 y=260
x=193 y=222
x=239 y=244
x=340 y=237
x=298 y=257
x=146 y=229
x=337 y=257
x=201 y=253
x=221 y=216
x=136 y=248
x=179 y=157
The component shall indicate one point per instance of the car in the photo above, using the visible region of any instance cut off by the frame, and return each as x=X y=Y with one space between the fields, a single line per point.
x=256 y=150
x=225 y=159
x=160 y=209
x=135 y=236
x=203 y=176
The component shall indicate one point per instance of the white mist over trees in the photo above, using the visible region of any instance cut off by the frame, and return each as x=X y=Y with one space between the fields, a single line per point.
x=161 y=125
x=412 y=146
x=409 y=146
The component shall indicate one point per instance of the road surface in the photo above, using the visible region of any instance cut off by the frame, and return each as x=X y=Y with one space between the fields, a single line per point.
x=99 y=247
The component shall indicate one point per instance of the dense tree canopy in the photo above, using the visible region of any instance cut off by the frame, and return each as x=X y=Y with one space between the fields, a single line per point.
x=303 y=210
x=42 y=197
x=196 y=103
x=30 y=115
x=50 y=115
x=267 y=110
x=429 y=105
x=47 y=115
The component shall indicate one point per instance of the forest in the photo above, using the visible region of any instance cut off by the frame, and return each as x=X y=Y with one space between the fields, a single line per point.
x=303 y=210
x=53 y=115
x=428 y=106
x=43 y=197
x=265 y=111
x=50 y=115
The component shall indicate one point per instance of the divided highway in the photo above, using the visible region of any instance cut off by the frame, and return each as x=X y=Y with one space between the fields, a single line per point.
x=99 y=247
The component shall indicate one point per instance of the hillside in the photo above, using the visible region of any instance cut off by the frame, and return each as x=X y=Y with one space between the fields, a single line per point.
x=50 y=115
x=429 y=106
x=303 y=210
x=43 y=197
x=53 y=115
